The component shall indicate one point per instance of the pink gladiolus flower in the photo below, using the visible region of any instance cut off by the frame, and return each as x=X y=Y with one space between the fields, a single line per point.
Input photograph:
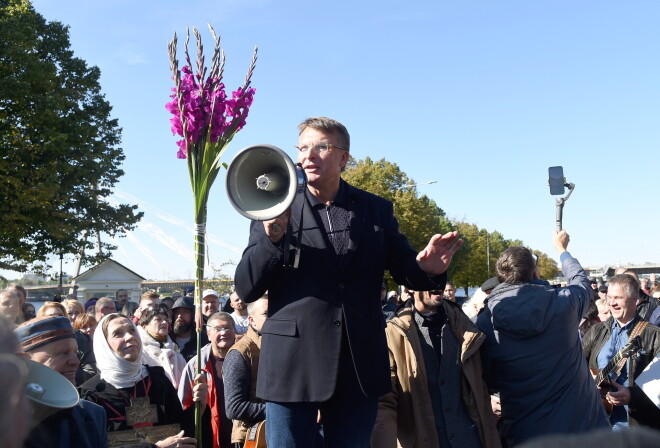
x=201 y=111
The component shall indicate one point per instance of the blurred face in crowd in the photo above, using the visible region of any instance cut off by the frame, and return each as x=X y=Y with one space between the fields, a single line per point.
x=72 y=312
x=622 y=308
x=9 y=305
x=158 y=326
x=237 y=303
x=258 y=315
x=122 y=297
x=183 y=319
x=53 y=311
x=29 y=311
x=123 y=339
x=450 y=292
x=61 y=356
x=427 y=301
x=210 y=305
x=149 y=302
x=88 y=330
x=108 y=308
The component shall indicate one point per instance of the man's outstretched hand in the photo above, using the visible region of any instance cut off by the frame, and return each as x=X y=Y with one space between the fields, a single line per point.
x=435 y=258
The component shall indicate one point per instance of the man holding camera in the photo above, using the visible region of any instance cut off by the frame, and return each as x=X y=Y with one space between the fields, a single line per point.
x=532 y=354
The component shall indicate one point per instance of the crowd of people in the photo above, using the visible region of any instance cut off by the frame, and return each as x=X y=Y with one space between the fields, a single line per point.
x=136 y=369
x=314 y=344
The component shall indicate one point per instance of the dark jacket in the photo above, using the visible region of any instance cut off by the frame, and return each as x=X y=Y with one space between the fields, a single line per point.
x=114 y=401
x=406 y=414
x=310 y=308
x=641 y=410
x=533 y=357
x=87 y=367
x=80 y=426
x=646 y=305
x=189 y=350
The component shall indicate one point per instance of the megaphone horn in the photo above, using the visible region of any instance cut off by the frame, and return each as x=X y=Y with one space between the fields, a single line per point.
x=48 y=390
x=262 y=182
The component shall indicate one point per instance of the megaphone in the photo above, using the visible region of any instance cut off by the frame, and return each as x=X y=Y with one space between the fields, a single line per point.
x=48 y=390
x=262 y=182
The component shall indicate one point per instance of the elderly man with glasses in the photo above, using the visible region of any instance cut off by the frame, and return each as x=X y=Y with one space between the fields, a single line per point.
x=216 y=426
x=322 y=262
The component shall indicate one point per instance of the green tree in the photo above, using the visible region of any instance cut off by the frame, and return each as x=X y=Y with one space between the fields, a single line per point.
x=419 y=216
x=59 y=153
x=548 y=269
x=219 y=280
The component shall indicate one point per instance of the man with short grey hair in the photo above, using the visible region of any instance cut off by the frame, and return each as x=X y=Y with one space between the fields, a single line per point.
x=631 y=406
x=104 y=306
x=216 y=427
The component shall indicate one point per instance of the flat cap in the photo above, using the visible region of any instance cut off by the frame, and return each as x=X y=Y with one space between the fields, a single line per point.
x=490 y=284
x=184 y=302
x=43 y=330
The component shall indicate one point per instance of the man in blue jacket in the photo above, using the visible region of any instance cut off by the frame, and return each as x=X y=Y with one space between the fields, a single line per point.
x=532 y=354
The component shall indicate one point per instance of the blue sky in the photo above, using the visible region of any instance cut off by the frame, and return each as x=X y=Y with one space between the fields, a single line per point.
x=482 y=96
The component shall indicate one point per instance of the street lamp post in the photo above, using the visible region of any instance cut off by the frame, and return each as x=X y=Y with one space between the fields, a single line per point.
x=415 y=185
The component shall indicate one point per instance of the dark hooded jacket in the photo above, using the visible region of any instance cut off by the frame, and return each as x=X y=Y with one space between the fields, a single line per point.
x=533 y=357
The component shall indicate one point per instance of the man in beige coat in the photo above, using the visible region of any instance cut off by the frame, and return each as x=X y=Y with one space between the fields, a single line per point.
x=439 y=398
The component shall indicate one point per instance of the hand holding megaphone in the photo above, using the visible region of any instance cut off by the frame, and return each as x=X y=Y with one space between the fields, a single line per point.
x=275 y=228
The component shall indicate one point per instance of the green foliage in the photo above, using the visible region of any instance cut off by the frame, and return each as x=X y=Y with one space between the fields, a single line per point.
x=548 y=269
x=419 y=216
x=59 y=153
x=219 y=280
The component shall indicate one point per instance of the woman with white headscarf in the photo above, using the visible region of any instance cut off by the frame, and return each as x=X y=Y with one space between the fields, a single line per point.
x=123 y=383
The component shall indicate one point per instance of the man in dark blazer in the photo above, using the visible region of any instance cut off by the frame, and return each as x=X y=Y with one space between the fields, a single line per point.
x=324 y=345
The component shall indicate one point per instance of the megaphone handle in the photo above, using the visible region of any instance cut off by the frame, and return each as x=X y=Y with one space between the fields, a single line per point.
x=287 y=240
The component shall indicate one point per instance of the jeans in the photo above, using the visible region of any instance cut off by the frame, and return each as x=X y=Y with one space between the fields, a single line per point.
x=348 y=417
x=346 y=423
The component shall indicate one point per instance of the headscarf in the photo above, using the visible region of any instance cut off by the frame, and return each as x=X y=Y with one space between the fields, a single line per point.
x=114 y=369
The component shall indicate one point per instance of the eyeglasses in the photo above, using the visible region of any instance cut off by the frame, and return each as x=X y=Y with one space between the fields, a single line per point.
x=318 y=147
x=220 y=329
x=436 y=292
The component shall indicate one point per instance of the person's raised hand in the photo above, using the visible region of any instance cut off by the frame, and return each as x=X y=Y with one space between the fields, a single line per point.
x=435 y=258
x=560 y=241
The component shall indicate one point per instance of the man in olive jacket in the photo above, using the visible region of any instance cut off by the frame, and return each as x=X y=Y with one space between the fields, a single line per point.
x=439 y=397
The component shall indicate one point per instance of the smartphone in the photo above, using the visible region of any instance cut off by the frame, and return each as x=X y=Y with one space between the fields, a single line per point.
x=556 y=180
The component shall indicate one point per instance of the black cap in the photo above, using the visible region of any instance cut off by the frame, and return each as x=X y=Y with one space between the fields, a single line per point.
x=184 y=302
x=490 y=284
x=603 y=288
